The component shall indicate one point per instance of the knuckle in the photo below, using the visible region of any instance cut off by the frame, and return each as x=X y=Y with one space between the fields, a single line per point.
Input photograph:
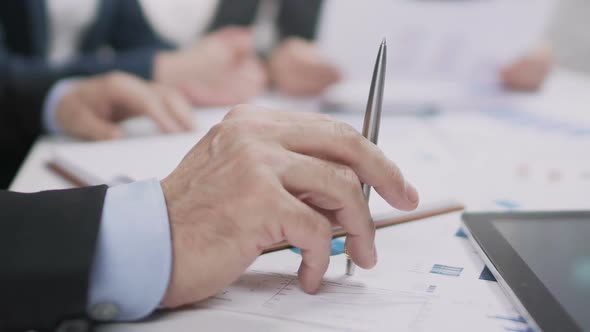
x=239 y=111
x=347 y=133
x=312 y=223
x=350 y=179
x=253 y=156
x=324 y=117
x=220 y=138
x=324 y=230
x=354 y=144
x=243 y=134
x=116 y=76
x=272 y=232
x=259 y=126
x=251 y=126
x=394 y=172
x=227 y=132
x=217 y=131
x=251 y=151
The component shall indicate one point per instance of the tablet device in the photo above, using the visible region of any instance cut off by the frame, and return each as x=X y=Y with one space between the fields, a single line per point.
x=541 y=260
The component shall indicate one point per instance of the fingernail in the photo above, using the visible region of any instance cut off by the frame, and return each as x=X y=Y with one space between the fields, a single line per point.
x=411 y=193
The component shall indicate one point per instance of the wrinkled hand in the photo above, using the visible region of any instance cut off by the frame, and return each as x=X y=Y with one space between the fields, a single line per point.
x=222 y=69
x=530 y=72
x=297 y=68
x=260 y=177
x=93 y=107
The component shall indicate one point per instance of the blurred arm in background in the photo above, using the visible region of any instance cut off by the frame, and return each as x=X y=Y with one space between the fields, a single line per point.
x=296 y=65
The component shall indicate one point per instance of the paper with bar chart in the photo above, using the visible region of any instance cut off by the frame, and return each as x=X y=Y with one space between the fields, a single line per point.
x=417 y=292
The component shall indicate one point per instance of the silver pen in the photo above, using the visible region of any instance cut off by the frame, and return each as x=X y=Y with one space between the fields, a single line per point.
x=372 y=120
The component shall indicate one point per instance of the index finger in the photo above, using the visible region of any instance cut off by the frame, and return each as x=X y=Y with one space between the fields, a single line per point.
x=311 y=232
x=322 y=137
x=340 y=142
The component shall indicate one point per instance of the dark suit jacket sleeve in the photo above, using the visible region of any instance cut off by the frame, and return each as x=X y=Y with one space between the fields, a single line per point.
x=47 y=243
x=26 y=76
x=20 y=120
x=126 y=30
x=299 y=18
x=295 y=18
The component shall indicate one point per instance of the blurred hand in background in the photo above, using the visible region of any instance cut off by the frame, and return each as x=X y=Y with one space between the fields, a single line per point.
x=92 y=108
x=221 y=69
x=530 y=72
x=296 y=67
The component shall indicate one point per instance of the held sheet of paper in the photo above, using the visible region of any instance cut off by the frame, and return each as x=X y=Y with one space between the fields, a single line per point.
x=450 y=40
x=405 y=292
x=452 y=49
x=411 y=289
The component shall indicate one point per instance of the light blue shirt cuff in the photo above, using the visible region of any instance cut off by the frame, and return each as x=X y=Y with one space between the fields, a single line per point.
x=51 y=104
x=133 y=259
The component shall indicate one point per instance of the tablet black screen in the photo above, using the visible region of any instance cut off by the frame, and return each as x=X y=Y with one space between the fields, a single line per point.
x=557 y=251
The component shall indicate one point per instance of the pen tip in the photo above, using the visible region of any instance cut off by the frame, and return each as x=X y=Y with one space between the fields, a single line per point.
x=383 y=42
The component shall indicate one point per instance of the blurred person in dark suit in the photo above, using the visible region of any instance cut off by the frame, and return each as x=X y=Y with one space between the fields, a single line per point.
x=43 y=42
x=51 y=39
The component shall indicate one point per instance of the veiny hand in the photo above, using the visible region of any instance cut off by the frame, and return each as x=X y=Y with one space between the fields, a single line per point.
x=529 y=73
x=297 y=68
x=92 y=108
x=222 y=69
x=260 y=177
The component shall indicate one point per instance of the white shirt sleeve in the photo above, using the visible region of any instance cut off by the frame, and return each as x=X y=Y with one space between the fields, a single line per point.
x=133 y=261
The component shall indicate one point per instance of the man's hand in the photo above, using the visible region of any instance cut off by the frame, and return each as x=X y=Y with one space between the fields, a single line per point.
x=260 y=177
x=297 y=68
x=92 y=108
x=222 y=69
x=530 y=72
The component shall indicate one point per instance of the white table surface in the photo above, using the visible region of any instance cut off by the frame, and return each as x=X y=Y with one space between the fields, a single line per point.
x=566 y=92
